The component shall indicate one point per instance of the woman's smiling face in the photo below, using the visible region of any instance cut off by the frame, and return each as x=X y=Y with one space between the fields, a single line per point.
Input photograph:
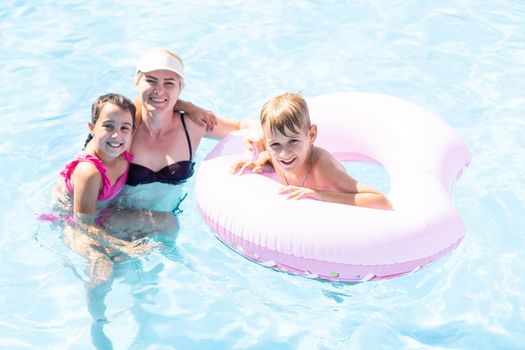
x=159 y=90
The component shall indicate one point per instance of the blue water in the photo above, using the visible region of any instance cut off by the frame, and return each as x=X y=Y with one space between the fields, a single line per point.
x=464 y=60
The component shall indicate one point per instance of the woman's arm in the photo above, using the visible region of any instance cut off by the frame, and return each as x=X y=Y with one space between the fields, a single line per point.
x=200 y=116
x=225 y=126
x=220 y=127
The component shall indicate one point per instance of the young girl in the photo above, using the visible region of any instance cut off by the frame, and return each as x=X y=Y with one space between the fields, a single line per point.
x=93 y=178
x=306 y=171
x=99 y=172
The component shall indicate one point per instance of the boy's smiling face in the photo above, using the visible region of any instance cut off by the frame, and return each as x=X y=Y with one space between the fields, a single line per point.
x=290 y=151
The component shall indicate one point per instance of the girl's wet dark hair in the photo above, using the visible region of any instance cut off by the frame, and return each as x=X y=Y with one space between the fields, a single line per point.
x=118 y=100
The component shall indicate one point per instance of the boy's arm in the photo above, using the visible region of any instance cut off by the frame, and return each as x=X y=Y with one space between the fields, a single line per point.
x=344 y=188
x=368 y=199
x=347 y=188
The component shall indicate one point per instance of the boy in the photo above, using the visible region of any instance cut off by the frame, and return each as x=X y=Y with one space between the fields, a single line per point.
x=306 y=171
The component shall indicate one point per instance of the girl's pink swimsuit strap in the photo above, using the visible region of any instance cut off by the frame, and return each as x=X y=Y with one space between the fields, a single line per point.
x=107 y=191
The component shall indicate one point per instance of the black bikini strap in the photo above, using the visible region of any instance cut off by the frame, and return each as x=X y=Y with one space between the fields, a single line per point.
x=186 y=131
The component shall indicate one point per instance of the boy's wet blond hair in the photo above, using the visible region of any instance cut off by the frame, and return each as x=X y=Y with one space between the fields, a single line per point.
x=286 y=111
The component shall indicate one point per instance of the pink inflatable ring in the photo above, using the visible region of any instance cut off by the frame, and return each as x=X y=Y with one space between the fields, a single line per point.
x=423 y=157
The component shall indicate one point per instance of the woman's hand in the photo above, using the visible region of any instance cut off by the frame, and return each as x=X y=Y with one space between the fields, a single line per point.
x=198 y=115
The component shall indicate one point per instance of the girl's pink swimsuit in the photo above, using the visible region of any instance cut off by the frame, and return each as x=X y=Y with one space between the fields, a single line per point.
x=107 y=191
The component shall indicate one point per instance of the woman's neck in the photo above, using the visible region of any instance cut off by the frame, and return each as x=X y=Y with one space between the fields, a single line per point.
x=156 y=123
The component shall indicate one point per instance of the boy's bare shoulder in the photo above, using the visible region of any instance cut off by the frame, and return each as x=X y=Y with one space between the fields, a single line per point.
x=323 y=158
x=327 y=169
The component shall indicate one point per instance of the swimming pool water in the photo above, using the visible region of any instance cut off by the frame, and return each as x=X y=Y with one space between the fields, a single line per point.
x=461 y=59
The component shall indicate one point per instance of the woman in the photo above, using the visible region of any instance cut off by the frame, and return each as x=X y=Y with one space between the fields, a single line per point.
x=164 y=147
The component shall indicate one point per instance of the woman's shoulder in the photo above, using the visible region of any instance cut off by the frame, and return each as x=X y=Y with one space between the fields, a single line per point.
x=193 y=132
x=193 y=128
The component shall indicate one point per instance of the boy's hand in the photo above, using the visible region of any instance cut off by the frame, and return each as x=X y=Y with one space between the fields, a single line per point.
x=242 y=166
x=255 y=144
x=296 y=192
x=255 y=166
x=254 y=140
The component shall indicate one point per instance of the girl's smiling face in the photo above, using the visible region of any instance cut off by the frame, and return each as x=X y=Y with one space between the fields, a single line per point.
x=112 y=131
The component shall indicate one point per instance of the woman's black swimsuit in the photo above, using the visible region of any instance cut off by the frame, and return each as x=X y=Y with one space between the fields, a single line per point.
x=172 y=174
